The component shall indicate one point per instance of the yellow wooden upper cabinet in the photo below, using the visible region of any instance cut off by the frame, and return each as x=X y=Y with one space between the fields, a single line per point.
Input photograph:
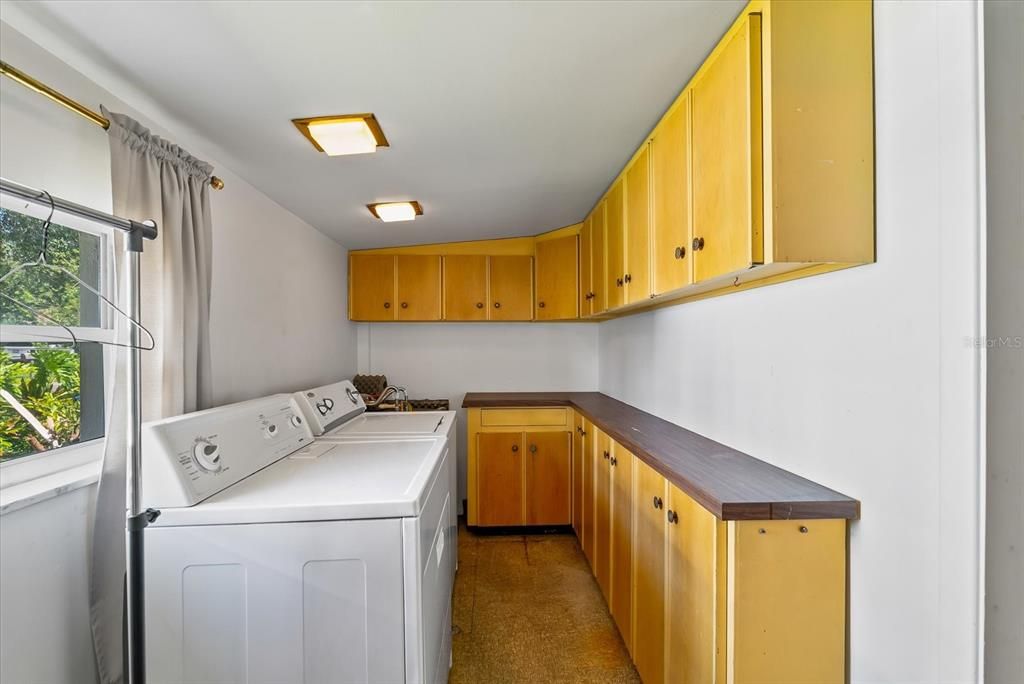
x=511 y=288
x=488 y=288
x=762 y=170
x=418 y=287
x=465 y=287
x=670 y=197
x=636 y=281
x=599 y=261
x=557 y=278
x=371 y=287
x=586 y=267
x=728 y=234
x=615 y=245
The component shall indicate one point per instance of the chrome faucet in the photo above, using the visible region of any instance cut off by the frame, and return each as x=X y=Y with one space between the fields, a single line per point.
x=403 y=397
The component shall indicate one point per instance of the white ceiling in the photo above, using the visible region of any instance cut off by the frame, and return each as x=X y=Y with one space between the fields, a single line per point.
x=504 y=118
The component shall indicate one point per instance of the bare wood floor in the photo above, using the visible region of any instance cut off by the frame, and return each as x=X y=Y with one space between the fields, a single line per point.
x=527 y=609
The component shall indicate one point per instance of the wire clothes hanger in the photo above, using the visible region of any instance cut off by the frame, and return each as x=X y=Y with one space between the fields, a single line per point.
x=41 y=262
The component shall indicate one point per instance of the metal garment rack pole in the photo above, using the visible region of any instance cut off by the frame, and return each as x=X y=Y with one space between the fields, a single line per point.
x=136 y=519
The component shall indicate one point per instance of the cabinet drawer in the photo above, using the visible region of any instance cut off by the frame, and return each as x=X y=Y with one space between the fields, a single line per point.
x=543 y=417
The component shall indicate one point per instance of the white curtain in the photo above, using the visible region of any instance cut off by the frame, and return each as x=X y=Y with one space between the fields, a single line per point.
x=151 y=178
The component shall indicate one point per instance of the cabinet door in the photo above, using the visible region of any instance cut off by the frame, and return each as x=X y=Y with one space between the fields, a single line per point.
x=692 y=589
x=577 y=475
x=649 y=530
x=546 y=478
x=511 y=288
x=670 y=188
x=499 y=478
x=586 y=267
x=598 y=265
x=557 y=278
x=371 y=287
x=622 y=542
x=727 y=211
x=589 y=468
x=602 y=514
x=638 y=226
x=419 y=287
x=465 y=288
x=615 y=246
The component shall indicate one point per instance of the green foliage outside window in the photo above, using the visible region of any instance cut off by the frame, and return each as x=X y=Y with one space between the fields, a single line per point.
x=44 y=379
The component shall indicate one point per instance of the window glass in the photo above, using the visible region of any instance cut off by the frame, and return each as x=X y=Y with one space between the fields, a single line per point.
x=55 y=294
x=51 y=393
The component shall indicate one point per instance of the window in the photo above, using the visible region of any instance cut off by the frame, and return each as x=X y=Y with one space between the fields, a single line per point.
x=51 y=391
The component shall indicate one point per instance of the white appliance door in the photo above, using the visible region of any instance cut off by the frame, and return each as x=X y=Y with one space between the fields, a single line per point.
x=281 y=602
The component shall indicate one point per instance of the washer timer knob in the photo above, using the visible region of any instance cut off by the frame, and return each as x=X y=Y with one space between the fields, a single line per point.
x=295 y=421
x=207 y=456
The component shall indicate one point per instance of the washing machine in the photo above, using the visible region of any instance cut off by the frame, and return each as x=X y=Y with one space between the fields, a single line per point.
x=280 y=558
x=337 y=412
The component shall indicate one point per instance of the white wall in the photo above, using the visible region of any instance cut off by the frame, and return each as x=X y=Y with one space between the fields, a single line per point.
x=864 y=380
x=446 y=360
x=1004 y=131
x=278 y=323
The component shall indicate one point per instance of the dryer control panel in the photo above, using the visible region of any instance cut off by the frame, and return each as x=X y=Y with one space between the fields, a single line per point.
x=330 y=405
x=189 y=458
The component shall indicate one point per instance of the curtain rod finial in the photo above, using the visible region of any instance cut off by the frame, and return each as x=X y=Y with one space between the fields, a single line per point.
x=216 y=183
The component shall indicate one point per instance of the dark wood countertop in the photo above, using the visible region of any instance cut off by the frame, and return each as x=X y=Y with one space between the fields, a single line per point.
x=729 y=483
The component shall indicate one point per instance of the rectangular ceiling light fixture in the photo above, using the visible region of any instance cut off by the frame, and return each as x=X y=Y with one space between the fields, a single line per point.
x=343 y=133
x=396 y=211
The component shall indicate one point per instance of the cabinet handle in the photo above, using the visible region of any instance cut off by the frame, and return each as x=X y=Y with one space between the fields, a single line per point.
x=533 y=448
x=405 y=305
x=540 y=304
x=698 y=244
x=627 y=278
x=680 y=252
x=658 y=502
x=613 y=461
x=673 y=517
x=387 y=305
x=606 y=455
x=479 y=305
x=497 y=305
x=618 y=282
x=515 y=448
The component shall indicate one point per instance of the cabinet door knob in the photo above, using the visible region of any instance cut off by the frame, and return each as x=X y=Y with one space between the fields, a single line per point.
x=673 y=517
x=405 y=305
x=657 y=501
x=606 y=455
x=479 y=305
x=627 y=278
x=613 y=461
x=618 y=282
x=387 y=305
x=540 y=305
x=497 y=305
x=680 y=252
x=515 y=448
x=533 y=448
x=698 y=244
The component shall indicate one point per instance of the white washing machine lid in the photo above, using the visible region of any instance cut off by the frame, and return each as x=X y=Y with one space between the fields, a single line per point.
x=341 y=480
x=406 y=423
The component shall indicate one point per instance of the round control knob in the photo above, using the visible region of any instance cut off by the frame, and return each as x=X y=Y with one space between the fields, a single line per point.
x=295 y=421
x=270 y=431
x=207 y=456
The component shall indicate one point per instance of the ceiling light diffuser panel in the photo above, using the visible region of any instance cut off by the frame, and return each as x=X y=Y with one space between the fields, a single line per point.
x=343 y=133
x=395 y=211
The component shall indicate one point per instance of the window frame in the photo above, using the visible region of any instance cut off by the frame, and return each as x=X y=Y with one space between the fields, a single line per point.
x=17 y=471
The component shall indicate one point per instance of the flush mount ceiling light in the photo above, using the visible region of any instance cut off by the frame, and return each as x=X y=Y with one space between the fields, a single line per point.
x=396 y=211
x=343 y=133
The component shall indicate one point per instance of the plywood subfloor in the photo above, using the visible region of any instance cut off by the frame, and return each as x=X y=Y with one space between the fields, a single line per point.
x=527 y=609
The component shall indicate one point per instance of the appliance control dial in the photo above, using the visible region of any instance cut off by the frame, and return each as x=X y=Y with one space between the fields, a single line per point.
x=270 y=431
x=207 y=456
x=295 y=421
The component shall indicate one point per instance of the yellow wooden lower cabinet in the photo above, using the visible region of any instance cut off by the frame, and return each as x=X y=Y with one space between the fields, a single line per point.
x=703 y=600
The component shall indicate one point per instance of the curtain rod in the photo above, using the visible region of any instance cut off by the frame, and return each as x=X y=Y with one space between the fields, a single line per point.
x=147 y=229
x=60 y=98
